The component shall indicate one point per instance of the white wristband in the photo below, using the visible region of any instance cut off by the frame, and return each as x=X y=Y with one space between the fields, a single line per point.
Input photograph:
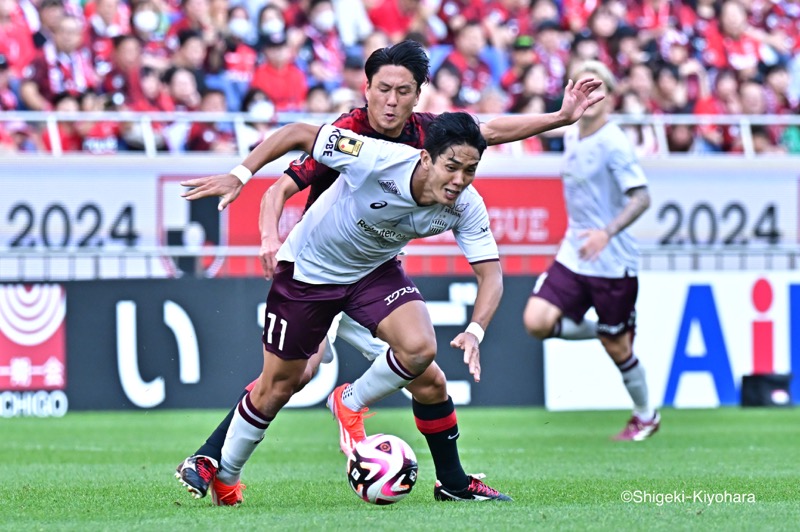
x=242 y=173
x=475 y=329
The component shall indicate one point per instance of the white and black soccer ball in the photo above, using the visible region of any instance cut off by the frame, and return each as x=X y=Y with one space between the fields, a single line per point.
x=382 y=469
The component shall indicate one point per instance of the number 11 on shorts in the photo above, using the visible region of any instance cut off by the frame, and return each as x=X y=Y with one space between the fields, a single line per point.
x=272 y=317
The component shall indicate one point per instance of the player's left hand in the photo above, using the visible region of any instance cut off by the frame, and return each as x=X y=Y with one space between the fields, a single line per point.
x=472 y=353
x=578 y=97
x=226 y=186
x=596 y=241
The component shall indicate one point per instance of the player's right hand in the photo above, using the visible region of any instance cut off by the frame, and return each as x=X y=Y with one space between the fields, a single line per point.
x=269 y=248
x=472 y=353
x=226 y=186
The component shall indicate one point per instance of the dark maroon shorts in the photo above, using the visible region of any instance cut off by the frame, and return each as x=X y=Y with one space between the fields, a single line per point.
x=614 y=299
x=299 y=314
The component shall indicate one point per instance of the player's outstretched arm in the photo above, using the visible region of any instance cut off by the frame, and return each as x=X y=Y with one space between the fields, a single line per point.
x=227 y=186
x=490 y=290
x=577 y=98
x=272 y=203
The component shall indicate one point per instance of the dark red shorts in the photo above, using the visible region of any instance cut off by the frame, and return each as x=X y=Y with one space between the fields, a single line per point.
x=299 y=314
x=614 y=299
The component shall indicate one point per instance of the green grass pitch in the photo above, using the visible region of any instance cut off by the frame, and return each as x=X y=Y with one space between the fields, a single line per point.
x=114 y=471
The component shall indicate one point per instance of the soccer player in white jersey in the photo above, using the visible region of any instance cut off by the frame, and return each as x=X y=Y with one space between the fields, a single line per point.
x=605 y=191
x=342 y=257
x=395 y=76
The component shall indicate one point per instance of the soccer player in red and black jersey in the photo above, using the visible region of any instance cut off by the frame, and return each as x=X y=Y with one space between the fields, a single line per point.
x=395 y=76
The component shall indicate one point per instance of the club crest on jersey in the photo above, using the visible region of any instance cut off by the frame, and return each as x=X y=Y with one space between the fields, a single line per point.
x=438 y=226
x=390 y=187
x=349 y=146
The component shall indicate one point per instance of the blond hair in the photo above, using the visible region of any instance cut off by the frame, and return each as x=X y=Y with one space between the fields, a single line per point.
x=598 y=70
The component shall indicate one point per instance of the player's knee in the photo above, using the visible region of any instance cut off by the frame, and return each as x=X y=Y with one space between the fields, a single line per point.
x=537 y=322
x=416 y=354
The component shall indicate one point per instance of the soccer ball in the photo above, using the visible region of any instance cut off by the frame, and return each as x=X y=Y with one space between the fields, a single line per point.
x=382 y=469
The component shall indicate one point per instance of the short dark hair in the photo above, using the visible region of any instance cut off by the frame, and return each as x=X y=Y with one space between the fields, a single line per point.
x=453 y=129
x=407 y=54
x=188 y=34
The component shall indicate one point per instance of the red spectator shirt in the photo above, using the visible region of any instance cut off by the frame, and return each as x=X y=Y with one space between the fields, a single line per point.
x=16 y=43
x=517 y=20
x=55 y=72
x=162 y=103
x=712 y=106
x=577 y=12
x=240 y=63
x=473 y=78
x=450 y=9
x=128 y=84
x=203 y=136
x=387 y=17
x=644 y=16
x=286 y=86
x=102 y=138
x=307 y=172
x=71 y=140
x=722 y=51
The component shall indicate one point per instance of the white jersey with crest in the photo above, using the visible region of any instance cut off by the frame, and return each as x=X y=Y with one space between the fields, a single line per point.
x=368 y=215
x=597 y=172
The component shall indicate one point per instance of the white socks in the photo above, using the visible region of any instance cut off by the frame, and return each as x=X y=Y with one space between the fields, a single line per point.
x=244 y=434
x=569 y=330
x=634 y=378
x=384 y=377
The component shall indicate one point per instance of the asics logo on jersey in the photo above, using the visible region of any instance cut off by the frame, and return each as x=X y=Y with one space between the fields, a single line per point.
x=378 y=205
x=391 y=298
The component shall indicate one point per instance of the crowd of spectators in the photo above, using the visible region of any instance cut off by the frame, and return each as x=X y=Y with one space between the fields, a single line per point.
x=265 y=57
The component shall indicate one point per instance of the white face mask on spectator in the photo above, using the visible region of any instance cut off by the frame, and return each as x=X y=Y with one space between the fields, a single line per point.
x=324 y=21
x=272 y=26
x=146 y=21
x=239 y=27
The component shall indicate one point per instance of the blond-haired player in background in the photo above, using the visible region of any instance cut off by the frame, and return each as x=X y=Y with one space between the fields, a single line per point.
x=596 y=266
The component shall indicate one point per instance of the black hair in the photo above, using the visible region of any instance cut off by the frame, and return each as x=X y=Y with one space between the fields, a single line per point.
x=187 y=34
x=407 y=54
x=61 y=96
x=453 y=129
x=118 y=40
x=252 y=96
